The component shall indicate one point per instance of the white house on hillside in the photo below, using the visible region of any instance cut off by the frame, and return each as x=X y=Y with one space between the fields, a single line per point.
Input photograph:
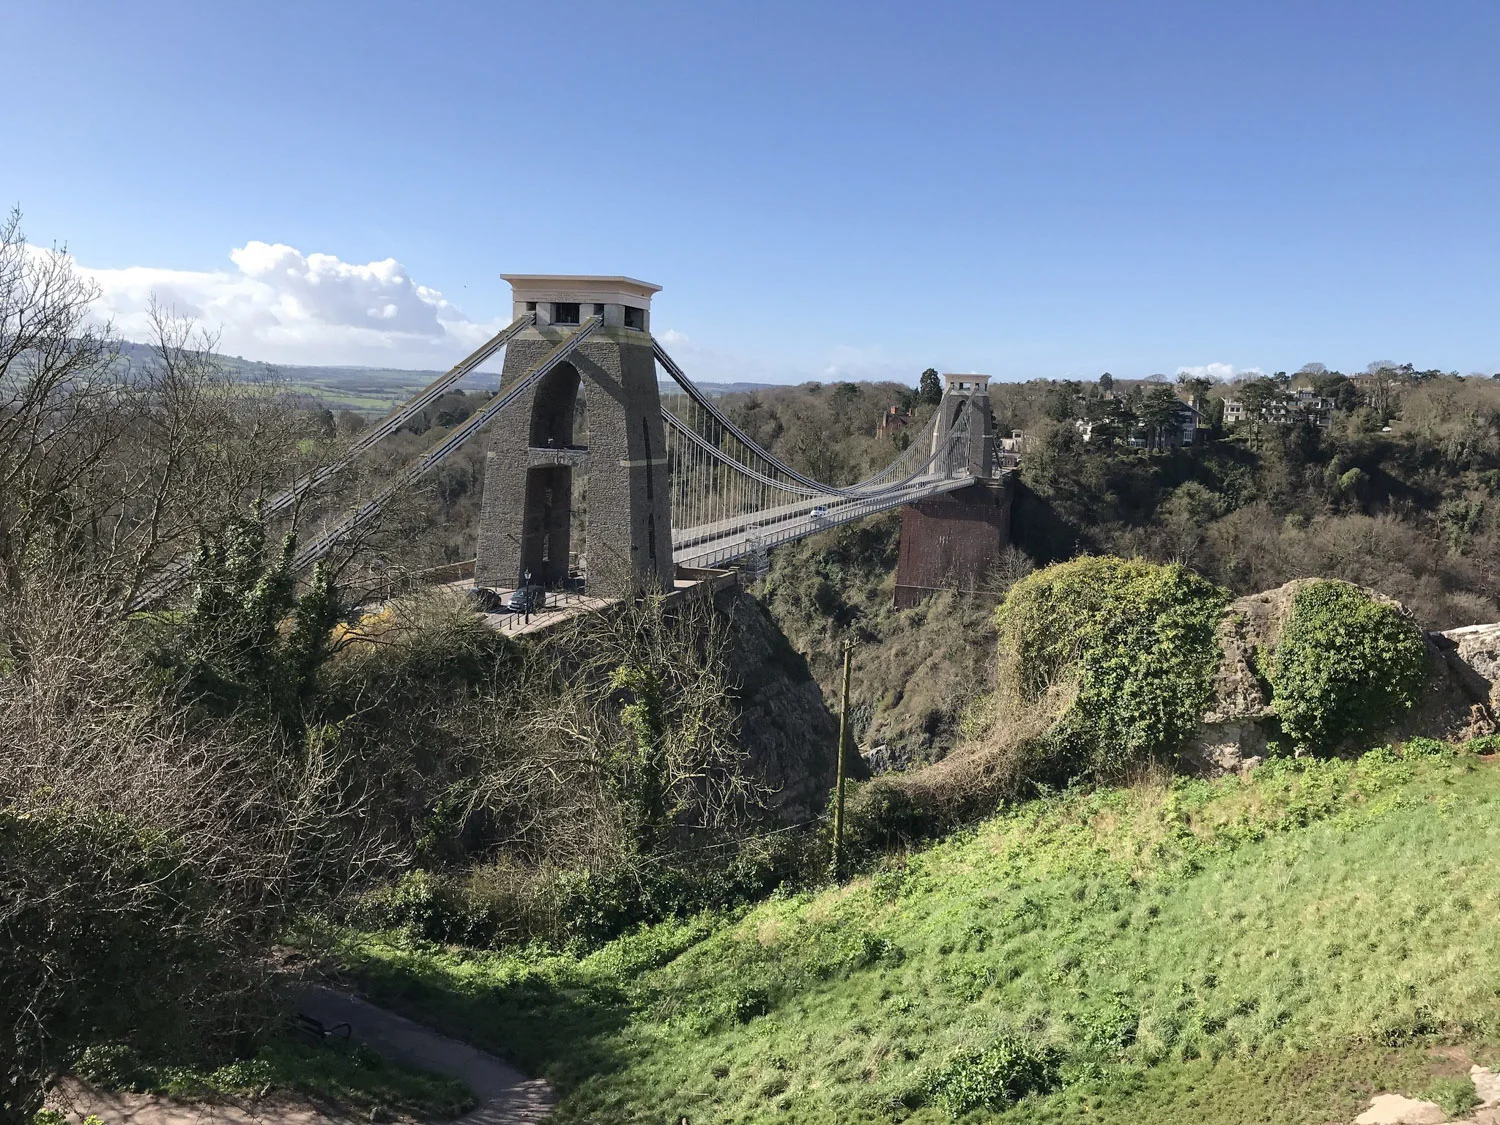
x=1301 y=403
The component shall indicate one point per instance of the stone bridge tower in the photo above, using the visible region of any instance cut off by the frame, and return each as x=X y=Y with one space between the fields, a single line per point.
x=526 y=525
x=949 y=541
x=977 y=455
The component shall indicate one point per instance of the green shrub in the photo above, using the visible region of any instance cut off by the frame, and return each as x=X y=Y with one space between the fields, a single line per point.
x=1421 y=747
x=430 y=906
x=358 y=1078
x=245 y=1074
x=1135 y=641
x=1346 y=667
x=110 y=930
x=1110 y=1027
x=994 y=1077
x=881 y=814
x=494 y=906
x=594 y=907
x=113 y=1066
x=1487 y=744
x=233 y=649
x=750 y=1003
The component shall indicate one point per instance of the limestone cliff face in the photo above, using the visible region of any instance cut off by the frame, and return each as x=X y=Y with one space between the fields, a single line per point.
x=1461 y=699
x=1473 y=654
x=785 y=725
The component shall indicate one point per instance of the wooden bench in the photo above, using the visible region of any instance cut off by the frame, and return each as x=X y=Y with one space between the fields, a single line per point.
x=316 y=1030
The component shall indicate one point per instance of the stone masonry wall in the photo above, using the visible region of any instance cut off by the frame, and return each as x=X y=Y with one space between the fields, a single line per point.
x=629 y=543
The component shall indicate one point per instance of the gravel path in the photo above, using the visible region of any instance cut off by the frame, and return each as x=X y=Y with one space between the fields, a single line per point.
x=506 y=1096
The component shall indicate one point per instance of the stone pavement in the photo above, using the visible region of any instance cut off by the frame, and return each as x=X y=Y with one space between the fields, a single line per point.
x=78 y=1100
x=1397 y=1109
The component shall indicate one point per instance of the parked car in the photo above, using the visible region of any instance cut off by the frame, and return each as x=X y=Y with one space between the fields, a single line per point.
x=486 y=601
x=528 y=599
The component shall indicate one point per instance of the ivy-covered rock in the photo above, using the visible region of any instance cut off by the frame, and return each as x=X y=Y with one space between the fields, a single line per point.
x=1346 y=667
x=1317 y=665
x=1124 y=649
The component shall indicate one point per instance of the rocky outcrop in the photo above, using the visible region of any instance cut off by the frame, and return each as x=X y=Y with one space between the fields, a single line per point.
x=1462 y=695
x=786 y=728
x=1473 y=656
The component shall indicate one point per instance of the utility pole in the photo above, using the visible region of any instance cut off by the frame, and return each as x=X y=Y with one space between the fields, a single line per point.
x=838 y=800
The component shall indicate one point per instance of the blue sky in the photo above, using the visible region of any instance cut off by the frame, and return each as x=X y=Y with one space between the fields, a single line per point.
x=823 y=190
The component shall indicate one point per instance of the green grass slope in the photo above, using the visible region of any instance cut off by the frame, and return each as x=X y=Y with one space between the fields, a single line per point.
x=1269 y=949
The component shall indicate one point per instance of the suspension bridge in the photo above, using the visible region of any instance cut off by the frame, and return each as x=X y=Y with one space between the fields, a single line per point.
x=669 y=480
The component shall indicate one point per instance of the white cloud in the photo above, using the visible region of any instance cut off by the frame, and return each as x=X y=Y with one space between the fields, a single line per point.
x=672 y=338
x=1219 y=372
x=283 y=306
x=847 y=362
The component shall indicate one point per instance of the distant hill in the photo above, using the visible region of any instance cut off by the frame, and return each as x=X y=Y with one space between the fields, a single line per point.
x=340 y=388
x=363 y=388
x=717 y=389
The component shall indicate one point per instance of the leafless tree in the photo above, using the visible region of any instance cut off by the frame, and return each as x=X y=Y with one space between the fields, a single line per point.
x=58 y=382
x=111 y=468
x=148 y=853
x=147 y=859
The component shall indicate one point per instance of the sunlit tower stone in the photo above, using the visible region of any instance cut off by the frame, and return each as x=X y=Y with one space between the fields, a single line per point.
x=977 y=455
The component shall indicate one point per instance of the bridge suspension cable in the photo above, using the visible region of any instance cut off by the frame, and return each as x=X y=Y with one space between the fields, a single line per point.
x=440 y=452
x=176 y=572
x=727 y=513
x=401 y=414
x=730 y=497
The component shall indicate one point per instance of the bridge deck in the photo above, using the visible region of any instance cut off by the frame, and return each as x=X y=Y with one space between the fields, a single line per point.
x=710 y=544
